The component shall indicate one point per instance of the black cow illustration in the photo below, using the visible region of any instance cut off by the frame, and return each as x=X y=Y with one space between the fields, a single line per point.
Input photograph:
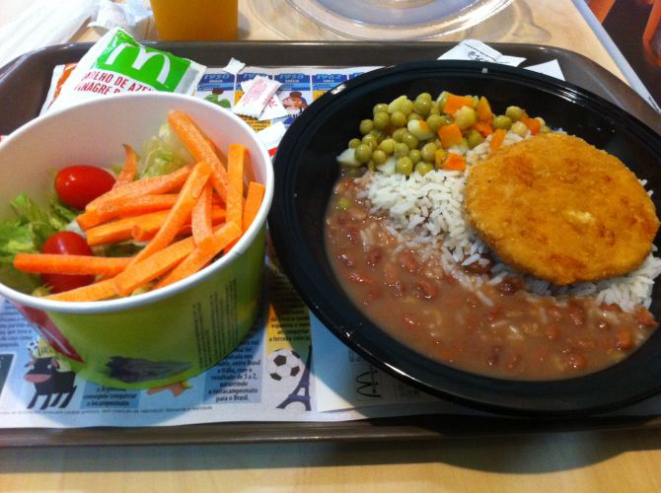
x=49 y=382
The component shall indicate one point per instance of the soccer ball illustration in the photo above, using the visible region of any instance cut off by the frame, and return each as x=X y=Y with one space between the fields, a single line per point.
x=283 y=363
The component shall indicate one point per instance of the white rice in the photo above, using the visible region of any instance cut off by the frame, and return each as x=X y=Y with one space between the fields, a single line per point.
x=426 y=214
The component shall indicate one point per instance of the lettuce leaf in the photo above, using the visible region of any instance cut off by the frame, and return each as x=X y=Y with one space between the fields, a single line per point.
x=27 y=234
x=163 y=154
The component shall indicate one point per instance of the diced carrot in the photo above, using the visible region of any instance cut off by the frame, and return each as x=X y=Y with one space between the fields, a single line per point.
x=497 y=139
x=121 y=207
x=533 y=125
x=450 y=135
x=45 y=263
x=454 y=103
x=484 y=128
x=454 y=162
x=93 y=292
x=196 y=143
x=180 y=212
x=147 y=186
x=147 y=231
x=206 y=250
x=130 y=170
x=201 y=215
x=144 y=271
x=253 y=203
x=483 y=110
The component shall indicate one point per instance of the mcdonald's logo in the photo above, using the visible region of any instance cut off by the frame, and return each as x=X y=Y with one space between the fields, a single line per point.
x=367 y=383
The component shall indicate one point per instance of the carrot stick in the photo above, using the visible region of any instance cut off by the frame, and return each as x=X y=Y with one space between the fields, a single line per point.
x=130 y=170
x=146 y=186
x=146 y=232
x=45 y=263
x=253 y=203
x=198 y=146
x=121 y=207
x=454 y=103
x=116 y=231
x=180 y=212
x=206 y=250
x=235 y=161
x=497 y=139
x=157 y=264
x=93 y=292
x=201 y=215
x=450 y=135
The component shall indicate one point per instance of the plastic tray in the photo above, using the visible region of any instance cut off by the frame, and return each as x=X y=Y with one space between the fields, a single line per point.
x=23 y=87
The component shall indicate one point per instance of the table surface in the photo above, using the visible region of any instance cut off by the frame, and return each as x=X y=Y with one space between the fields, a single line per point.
x=613 y=461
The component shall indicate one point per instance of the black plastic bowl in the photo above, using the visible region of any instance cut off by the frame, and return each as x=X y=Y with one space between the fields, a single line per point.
x=306 y=169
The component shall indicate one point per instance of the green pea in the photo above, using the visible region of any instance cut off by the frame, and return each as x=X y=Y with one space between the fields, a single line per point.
x=415 y=156
x=387 y=146
x=379 y=134
x=406 y=106
x=446 y=120
x=371 y=141
x=434 y=122
x=344 y=204
x=423 y=168
x=363 y=153
x=404 y=166
x=502 y=122
x=424 y=95
x=410 y=140
x=434 y=109
x=381 y=120
x=474 y=139
x=540 y=120
x=520 y=128
x=366 y=126
x=442 y=99
x=379 y=157
x=414 y=116
x=514 y=112
x=353 y=143
x=422 y=106
x=398 y=119
x=465 y=117
x=428 y=152
x=380 y=108
x=545 y=129
x=401 y=150
x=397 y=134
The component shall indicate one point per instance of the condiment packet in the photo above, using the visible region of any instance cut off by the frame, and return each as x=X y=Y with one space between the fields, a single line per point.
x=271 y=136
x=472 y=49
x=119 y=64
x=234 y=66
x=255 y=100
x=274 y=108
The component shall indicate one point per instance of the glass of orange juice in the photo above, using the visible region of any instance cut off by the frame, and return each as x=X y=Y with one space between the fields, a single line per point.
x=200 y=20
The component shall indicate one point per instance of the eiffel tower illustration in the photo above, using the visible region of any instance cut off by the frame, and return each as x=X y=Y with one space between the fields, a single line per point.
x=302 y=391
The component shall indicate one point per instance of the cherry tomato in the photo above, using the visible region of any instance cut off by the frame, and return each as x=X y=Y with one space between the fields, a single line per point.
x=77 y=186
x=66 y=243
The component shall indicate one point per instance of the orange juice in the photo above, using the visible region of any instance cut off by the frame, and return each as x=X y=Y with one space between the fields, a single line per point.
x=196 y=19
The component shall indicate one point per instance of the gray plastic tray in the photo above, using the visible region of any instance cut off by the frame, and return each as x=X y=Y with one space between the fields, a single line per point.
x=23 y=87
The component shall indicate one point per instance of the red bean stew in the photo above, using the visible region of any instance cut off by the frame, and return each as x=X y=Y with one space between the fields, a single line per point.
x=518 y=335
